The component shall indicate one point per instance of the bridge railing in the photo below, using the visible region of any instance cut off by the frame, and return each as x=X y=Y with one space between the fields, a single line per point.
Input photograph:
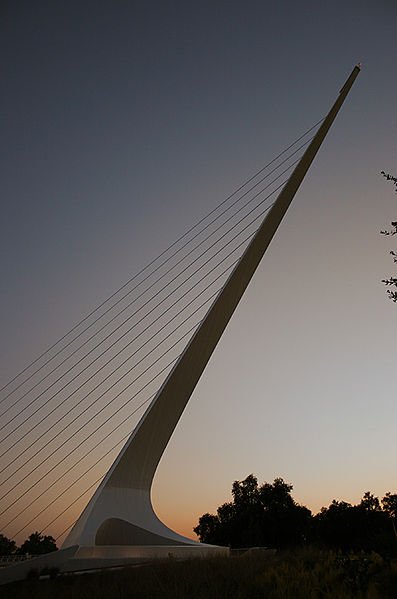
x=6 y=560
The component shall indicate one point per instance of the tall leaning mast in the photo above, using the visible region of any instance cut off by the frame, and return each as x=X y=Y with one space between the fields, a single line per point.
x=120 y=512
x=119 y=524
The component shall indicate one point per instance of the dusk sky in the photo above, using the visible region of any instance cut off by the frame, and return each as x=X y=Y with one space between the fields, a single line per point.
x=123 y=124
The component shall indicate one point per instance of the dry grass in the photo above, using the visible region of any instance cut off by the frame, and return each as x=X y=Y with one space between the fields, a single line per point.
x=304 y=574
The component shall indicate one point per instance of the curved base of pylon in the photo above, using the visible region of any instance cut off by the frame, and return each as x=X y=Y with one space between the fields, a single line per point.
x=119 y=527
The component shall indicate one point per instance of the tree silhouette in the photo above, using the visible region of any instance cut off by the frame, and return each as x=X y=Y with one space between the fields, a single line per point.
x=389 y=503
x=365 y=526
x=7 y=547
x=257 y=516
x=370 y=503
x=268 y=516
x=37 y=544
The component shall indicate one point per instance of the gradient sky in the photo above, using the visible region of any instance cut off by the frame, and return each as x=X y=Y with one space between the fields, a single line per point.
x=123 y=123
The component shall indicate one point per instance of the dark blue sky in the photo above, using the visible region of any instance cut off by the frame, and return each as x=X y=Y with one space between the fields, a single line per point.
x=115 y=113
x=125 y=122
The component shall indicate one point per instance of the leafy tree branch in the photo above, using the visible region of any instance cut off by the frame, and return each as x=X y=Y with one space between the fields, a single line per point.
x=391 y=281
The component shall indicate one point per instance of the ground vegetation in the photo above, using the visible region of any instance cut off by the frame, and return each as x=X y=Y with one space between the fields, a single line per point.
x=306 y=573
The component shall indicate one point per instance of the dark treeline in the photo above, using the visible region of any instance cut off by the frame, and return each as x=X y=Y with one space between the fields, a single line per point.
x=36 y=544
x=268 y=516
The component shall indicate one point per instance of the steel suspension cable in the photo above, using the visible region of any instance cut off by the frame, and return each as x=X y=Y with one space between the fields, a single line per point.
x=75 y=464
x=101 y=441
x=92 y=449
x=73 y=523
x=93 y=432
x=207 y=300
x=114 y=398
x=37 y=439
x=131 y=316
x=70 y=505
x=145 y=291
x=154 y=260
x=98 y=428
x=102 y=423
x=68 y=488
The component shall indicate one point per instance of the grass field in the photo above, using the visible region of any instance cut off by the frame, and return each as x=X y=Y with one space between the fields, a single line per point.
x=304 y=574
